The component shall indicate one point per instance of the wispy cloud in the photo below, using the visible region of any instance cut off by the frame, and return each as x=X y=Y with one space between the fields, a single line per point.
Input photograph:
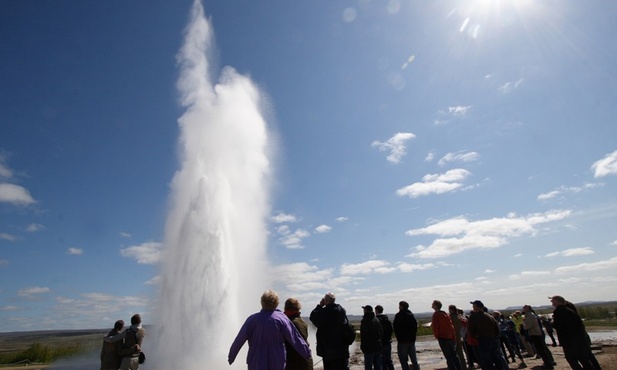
x=8 y=237
x=610 y=264
x=573 y=252
x=458 y=234
x=125 y=234
x=31 y=291
x=567 y=190
x=606 y=166
x=510 y=86
x=148 y=253
x=342 y=219
x=32 y=228
x=322 y=229
x=75 y=251
x=15 y=194
x=458 y=157
x=436 y=184
x=396 y=146
x=452 y=113
x=282 y=217
x=292 y=239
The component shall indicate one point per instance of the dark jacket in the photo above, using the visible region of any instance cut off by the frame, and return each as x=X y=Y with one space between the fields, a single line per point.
x=370 y=333
x=386 y=326
x=294 y=360
x=570 y=329
x=110 y=353
x=329 y=321
x=405 y=327
x=481 y=324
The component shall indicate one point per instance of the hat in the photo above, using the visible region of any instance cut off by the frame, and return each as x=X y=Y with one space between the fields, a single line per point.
x=557 y=298
x=368 y=308
x=477 y=303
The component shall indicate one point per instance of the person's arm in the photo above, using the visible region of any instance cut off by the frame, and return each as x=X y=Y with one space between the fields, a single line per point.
x=238 y=342
x=115 y=338
x=293 y=337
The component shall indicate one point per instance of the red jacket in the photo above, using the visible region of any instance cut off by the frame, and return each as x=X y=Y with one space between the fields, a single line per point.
x=442 y=326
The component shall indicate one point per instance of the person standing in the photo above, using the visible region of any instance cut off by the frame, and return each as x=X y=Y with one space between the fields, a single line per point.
x=443 y=330
x=110 y=353
x=405 y=329
x=131 y=347
x=536 y=335
x=129 y=342
x=267 y=331
x=330 y=319
x=294 y=360
x=572 y=336
x=386 y=339
x=370 y=339
x=546 y=322
x=484 y=328
x=457 y=322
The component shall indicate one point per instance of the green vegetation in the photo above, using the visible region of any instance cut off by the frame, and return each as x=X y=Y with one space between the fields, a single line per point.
x=41 y=354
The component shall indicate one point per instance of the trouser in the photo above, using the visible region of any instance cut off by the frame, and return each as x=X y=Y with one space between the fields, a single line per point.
x=407 y=350
x=372 y=361
x=386 y=356
x=448 y=347
x=542 y=350
x=336 y=364
x=129 y=363
x=490 y=354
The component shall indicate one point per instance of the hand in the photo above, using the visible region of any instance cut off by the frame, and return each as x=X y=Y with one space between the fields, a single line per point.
x=322 y=302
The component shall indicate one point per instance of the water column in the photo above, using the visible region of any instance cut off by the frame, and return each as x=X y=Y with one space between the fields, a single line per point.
x=214 y=264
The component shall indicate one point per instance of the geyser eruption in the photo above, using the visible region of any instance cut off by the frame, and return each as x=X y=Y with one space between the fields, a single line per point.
x=215 y=242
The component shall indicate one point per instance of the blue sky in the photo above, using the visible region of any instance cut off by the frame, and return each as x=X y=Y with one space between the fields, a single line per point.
x=452 y=150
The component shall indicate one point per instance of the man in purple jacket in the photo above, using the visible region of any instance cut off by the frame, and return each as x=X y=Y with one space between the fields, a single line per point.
x=266 y=332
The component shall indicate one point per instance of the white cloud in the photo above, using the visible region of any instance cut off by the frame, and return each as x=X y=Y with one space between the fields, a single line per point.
x=610 y=264
x=458 y=157
x=75 y=251
x=342 y=219
x=5 y=172
x=9 y=308
x=322 y=229
x=32 y=228
x=148 y=253
x=573 y=252
x=9 y=237
x=483 y=234
x=436 y=184
x=301 y=276
x=125 y=234
x=368 y=267
x=11 y=193
x=567 y=190
x=292 y=240
x=396 y=146
x=29 y=292
x=429 y=157
x=508 y=87
x=606 y=166
x=282 y=217
x=459 y=110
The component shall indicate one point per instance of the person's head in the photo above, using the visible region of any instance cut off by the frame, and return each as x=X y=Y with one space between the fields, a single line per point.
x=379 y=309
x=496 y=314
x=557 y=300
x=517 y=314
x=269 y=300
x=367 y=309
x=136 y=319
x=119 y=325
x=452 y=309
x=436 y=305
x=403 y=306
x=527 y=308
x=292 y=304
x=329 y=298
x=477 y=306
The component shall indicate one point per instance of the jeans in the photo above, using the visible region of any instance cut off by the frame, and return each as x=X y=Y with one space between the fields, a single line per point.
x=372 y=361
x=448 y=347
x=405 y=351
x=491 y=357
x=386 y=356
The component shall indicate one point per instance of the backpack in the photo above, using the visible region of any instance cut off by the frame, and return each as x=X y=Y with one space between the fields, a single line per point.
x=349 y=332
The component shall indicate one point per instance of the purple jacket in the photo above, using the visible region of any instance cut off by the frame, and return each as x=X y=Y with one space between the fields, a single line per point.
x=266 y=332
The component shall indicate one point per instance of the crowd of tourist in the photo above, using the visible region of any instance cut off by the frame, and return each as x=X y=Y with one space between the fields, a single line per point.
x=479 y=339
